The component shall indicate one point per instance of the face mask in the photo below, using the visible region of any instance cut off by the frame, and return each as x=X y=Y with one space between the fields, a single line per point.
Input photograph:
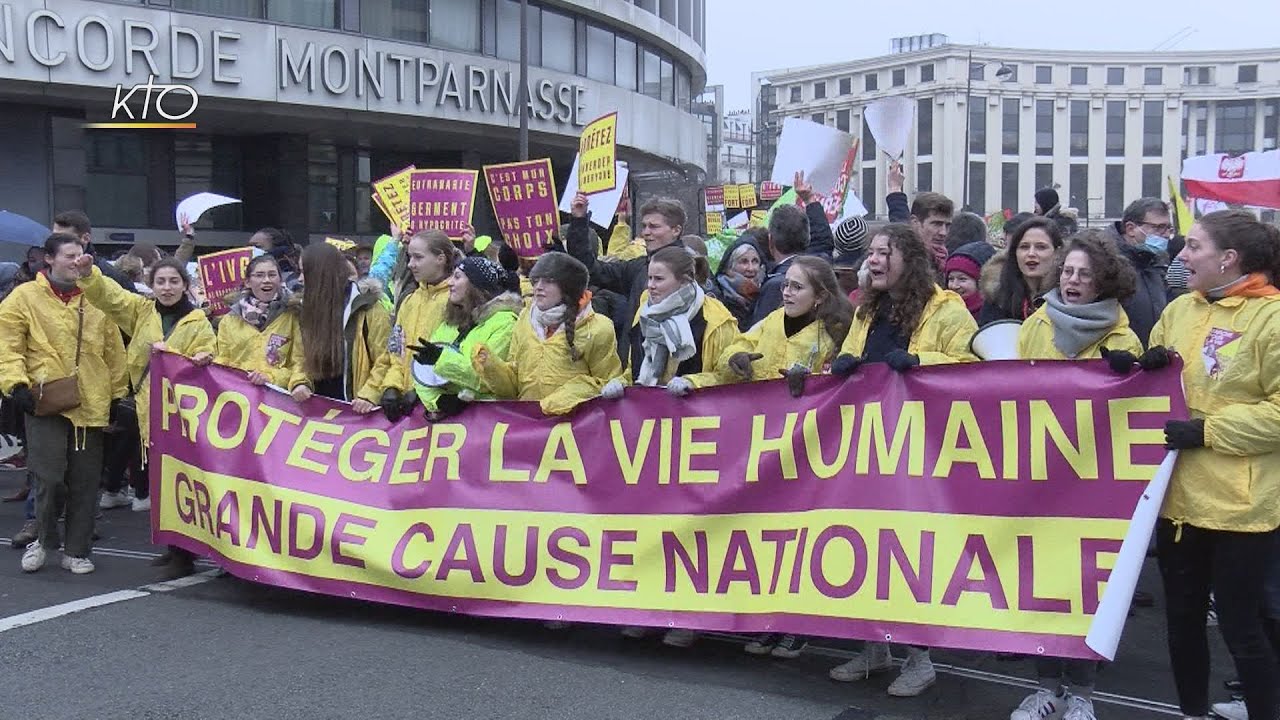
x=1157 y=243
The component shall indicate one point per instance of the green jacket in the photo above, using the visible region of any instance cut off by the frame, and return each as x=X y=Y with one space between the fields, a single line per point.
x=495 y=324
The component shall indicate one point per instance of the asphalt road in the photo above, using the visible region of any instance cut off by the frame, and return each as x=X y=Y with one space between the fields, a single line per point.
x=218 y=647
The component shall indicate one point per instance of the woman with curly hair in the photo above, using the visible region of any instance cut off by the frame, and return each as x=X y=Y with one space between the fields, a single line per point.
x=903 y=319
x=1082 y=317
x=1014 y=284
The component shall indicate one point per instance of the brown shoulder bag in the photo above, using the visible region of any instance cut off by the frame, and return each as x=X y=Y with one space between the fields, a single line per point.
x=54 y=397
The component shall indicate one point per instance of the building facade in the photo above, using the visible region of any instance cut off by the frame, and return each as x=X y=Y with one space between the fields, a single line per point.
x=737 y=161
x=300 y=104
x=1106 y=128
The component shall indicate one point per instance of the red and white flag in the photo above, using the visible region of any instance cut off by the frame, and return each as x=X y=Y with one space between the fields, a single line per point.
x=1251 y=179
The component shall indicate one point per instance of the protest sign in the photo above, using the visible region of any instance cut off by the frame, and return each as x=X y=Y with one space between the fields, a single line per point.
x=969 y=506
x=598 y=152
x=746 y=196
x=713 y=198
x=222 y=274
x=890 y=120
x=818 y=150
x=391 y=194
x=523 y=195
x=603 y=205
x=770 y=191
x=715 y=222
x=442 y=199
x=759 y=219
x=191 y=208
x=732 y=201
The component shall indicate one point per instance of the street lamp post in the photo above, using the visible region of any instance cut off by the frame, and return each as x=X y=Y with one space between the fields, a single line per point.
x=1002 y=73
x=522 y=95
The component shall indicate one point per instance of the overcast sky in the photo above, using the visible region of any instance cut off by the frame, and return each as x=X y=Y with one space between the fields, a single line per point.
x=744 y=36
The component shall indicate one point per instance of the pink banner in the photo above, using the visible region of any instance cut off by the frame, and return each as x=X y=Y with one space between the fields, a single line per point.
x=222 y=274
x=524 y=202
x=442 y=199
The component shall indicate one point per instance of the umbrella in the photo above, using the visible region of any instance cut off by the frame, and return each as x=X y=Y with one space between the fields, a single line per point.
x=18 y=233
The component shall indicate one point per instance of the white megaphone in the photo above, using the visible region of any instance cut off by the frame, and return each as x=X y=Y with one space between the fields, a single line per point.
x=997 y=340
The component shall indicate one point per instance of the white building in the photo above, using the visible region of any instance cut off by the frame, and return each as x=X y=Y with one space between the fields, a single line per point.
x=737 y=162
x=1106 y=128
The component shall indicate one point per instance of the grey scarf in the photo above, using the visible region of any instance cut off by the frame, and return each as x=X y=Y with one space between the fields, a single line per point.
x=667 y=333
x=1076 y=327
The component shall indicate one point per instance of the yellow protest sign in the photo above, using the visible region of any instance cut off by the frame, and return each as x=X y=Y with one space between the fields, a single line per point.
x=598 y=155
x=391 y=194
x=341 y=243
x=747 y=195
x=759 y=218
x=715 y=223
x=732 y=200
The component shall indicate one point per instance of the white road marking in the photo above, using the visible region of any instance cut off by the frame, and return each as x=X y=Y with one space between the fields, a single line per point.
x=67 y=608
x=182 y=582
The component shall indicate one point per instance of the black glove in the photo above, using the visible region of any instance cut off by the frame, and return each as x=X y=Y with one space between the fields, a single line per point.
x=446 y=407
x=845 y=365
x=393 y=405
x=740 y=364
x=795 y=379
x=901 y=360
x=1184 y=434
x=115 y=412
x=1155 y=358
x=426 y=353
x=21 y=396
x=1121 y=361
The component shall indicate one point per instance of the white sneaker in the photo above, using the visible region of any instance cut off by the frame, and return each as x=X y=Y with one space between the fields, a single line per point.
x=916 y=676
x=77 y=565
x=875 y=657
x=33 y=559
x=634 y=632
x=143 y=505
x=1234 y=710
x=1040 y=705
x=1079 y=708
x=112 y=500
x=679 y=637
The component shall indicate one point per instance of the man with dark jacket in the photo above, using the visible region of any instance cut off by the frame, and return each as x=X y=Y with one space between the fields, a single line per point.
x=930 y=214
x=822 y=242
x=1142 y=234
x=788 y=237
x=662 y=223
x=76 y=223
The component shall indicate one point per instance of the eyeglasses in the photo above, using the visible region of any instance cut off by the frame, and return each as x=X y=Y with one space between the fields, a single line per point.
x=1160 y=229
x=264 y=276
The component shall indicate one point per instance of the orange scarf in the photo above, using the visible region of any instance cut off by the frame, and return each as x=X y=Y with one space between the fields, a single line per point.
x=1255 y=285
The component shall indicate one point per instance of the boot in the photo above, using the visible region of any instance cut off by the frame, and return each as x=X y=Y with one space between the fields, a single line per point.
x=27 y=535
x=164 y=558
x=181 y=564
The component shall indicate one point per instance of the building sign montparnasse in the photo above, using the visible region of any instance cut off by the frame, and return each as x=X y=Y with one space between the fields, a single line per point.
x=307 y=66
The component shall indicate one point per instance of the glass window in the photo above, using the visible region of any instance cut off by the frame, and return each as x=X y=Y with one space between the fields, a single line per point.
x=116 y=187
x=1152 y=128
x=1044 y=74
x=1247 y=74
x=1115 y=128
x=1079 y=128
x=924 y=124
x=978 y=187
x=1197 y=75
x=231 y=8
x=868 y=143
x=924 y=177
x=820 y=90
x=508 y=42
x=1271 y=125
x=820 y=118
x=625 y=71
x=795 y=93
x=685 y=16
x=846 y=86
x=1010 y=73
x=1044 y=175
x=683 y=89
x=667 y=10
x=322 y=173
x=899 y=77
x=67 y=141
x=455 y=24
x=872 y=82
x=1044 y=127
x=926 y=72
x=1011 y=125
x=1080 y=189
x=361 y=189
x=601 y=55
x=314 y=13
x=668 y=82
x=1153 y=76
x=558 y=47
x=869 y=190
x=977 y=71
x=652 y=68
x=1235 y=122
x=1113 y=202
x=842 y=120
x=1151 y=181
x=205 y=163
x=400 y=19
x=1009 y=185
x=978 y=125
x=1079 y=76
x=1115 y=76
x=1202 y=129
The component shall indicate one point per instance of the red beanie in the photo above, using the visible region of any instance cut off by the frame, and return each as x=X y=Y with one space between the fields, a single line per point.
x=964 y=264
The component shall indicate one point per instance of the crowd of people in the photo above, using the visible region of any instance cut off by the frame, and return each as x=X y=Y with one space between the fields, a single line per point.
x=420 y=324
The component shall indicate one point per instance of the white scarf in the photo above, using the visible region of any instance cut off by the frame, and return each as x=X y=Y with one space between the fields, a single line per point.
x=667 y=332
x=542 y=320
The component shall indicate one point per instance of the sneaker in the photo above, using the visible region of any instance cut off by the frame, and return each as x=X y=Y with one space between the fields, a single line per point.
x=27 y=535
x=874 y=658
x=112 y=500
x=1234 y=710
x=762 y=644
x=790 y=646
x=634 y=632
x=77 y=565
x=1079 y=708
x=916 y=676
x=1040 y=705
x=143 y=505
x=33 y=559
x=679 y=637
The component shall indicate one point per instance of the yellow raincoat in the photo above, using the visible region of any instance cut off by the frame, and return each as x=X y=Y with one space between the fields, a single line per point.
x=275 y=351
x=942 y=337
x=812 y=347
x=721 y=332
x=365 y=337
x=541 y=369
x=1231 y=351
x=417 y=317
x=138 y=318
x=1035 y=339
x=38 y=343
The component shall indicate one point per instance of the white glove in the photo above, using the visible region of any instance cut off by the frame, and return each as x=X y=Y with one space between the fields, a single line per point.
x=679 y=387
x=612 y=390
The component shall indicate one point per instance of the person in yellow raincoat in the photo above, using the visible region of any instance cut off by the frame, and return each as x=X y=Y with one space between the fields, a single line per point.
x=903 y=320
x=431 y=258
x=48 y=332
x=344 y=327
x=260 y=335
x=1218 y=527
x=169 y=323
x=562 y=352
x=1082 y=317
